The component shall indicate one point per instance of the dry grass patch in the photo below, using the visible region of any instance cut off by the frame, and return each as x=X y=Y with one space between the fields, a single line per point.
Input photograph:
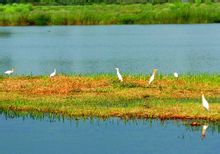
x=106 y=96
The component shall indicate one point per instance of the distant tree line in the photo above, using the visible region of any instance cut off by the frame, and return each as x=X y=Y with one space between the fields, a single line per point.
x=72 y=2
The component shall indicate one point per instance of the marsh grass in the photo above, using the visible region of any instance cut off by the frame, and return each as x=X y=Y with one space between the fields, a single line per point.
x=106 y=14
x=104 y=96
x=9 y=114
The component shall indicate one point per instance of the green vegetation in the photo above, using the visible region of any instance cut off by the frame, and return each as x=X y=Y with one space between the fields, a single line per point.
x=104 y=96
x=213 y=126
x=26 y=14
x=84 y=2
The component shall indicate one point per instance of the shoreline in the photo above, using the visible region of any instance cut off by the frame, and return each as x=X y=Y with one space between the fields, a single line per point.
x=109 y=14
x=104 y=96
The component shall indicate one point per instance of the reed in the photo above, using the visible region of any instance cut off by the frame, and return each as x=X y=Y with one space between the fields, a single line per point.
x=104 y=14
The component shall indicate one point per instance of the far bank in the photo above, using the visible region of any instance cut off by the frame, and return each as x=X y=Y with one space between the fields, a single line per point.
x=108 y=14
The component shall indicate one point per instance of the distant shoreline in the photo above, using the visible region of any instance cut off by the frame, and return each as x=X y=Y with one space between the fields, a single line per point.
x=109 y=14
x=104 y=96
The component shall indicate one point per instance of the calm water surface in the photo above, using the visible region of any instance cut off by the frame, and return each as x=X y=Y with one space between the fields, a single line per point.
x=95 y=49
x=27 y=135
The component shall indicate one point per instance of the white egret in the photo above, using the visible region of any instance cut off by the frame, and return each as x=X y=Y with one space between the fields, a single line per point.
x=175 y=74
x=152 y=76
x=205 y=103
x=204 y=127
x=119 y=75
x=53 y=74
x=8 y=72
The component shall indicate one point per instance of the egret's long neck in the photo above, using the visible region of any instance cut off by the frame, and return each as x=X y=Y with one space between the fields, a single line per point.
x=55 y=70
x=117 y=70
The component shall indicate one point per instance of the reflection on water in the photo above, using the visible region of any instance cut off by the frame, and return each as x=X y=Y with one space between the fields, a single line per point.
x=40 y=133
x=204 y=127
x=95 y=49
x=5 y=60
x=5 y=33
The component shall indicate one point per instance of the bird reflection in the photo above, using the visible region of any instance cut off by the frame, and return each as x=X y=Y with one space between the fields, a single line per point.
x=204 y=127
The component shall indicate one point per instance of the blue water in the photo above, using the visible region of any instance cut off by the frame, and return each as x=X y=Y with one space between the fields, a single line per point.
x=27 y=135
x=98 y=49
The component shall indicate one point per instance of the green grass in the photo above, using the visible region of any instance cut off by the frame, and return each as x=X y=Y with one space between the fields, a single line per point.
x=103 y=14
x=102 y=95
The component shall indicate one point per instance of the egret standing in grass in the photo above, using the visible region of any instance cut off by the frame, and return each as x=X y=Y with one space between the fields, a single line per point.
x=53 y=74
x=119 y=75
x=175 y=74
x=204 y=127
x=205 y=103
x=152 y=76
x=9 y=71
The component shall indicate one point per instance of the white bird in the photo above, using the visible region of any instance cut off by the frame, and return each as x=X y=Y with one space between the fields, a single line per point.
x=53 y=74
x=205 y=103
x=204 y=127
x=9 y=71
x=152 y=76
x=119 y=75
x=175 y=74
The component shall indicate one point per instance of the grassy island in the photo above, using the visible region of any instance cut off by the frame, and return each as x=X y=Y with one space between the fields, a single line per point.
x=106 y=14
x=104 y=96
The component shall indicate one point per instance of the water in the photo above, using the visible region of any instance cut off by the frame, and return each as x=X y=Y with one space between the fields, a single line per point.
x=98 y=49
x=46 y=135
